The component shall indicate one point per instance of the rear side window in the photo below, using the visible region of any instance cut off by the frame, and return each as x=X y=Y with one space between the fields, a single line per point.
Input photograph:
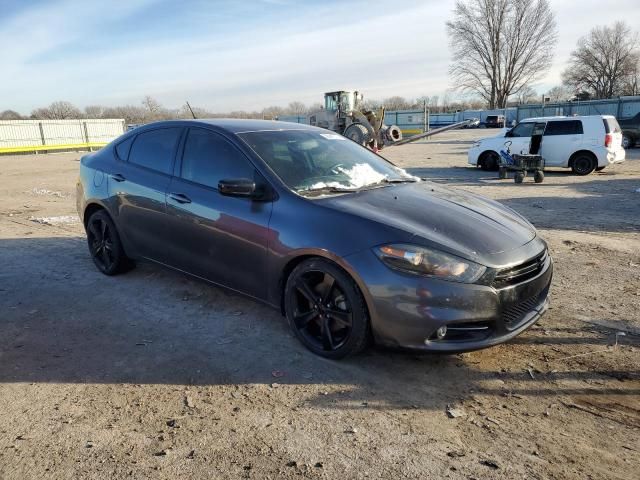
x=209 y=158
x=155 y=149
x=611 y=125
x=567 y=127
x=122 y=149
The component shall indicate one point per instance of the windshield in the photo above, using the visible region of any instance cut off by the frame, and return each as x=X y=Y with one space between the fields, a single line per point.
x=309 y=161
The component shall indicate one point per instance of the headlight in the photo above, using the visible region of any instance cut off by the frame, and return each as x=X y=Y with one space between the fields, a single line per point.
x=432 y=263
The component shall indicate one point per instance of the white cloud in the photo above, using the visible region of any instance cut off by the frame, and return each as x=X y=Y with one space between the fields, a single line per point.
x=368 y=46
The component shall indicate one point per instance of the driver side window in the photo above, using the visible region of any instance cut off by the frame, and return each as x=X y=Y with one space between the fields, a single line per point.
x=522 y=130
x=209 y=157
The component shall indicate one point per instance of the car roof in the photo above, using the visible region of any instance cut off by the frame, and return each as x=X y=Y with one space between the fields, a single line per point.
x=559 y=117
x=236 y=125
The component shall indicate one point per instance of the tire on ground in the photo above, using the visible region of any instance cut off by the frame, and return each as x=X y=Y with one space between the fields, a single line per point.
x=359 y=336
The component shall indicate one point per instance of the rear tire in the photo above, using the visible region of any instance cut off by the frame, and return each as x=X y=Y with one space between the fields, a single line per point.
x=519 y=177
x=325 y=309
x=538 y=177
x=105 y=246
x=583 y=163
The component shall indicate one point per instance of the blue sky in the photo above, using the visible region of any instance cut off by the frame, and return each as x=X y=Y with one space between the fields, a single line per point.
x=226 y=55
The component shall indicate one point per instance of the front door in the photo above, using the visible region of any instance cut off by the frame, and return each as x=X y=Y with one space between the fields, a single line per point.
x=221 y=238
x=520 y=136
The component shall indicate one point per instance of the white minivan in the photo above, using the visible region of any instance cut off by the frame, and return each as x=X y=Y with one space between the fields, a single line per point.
x=583 y=144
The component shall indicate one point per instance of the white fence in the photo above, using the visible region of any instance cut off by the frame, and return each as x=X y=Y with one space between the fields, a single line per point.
x=44 y=135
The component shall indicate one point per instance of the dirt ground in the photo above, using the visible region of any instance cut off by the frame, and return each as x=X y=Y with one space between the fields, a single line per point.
x=154 y=375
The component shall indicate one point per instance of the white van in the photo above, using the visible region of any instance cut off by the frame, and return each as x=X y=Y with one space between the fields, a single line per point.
x=583 y=144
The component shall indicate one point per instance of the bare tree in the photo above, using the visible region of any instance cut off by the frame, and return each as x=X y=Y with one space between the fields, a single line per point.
x=632 y=83
x=604 y=61
x=500 y=46
x=396 y=103
x=57 y=111
x=93 y=111
x=131 y=113
x=10 y=115
x=559 y=93
x=527 y=95
x=296 y=108
x=315 y=107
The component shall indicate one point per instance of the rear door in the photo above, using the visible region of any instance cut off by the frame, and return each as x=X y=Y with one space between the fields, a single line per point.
x=560 y=140
x=221 y=238
x=138 y=185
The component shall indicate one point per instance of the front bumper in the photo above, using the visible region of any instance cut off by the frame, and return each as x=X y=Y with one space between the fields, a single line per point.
x=407 y=310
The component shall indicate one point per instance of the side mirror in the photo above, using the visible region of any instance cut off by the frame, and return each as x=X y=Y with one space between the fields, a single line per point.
x=508 y=133
x=237 y=187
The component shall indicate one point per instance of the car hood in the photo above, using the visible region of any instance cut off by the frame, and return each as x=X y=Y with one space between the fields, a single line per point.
x=426 y=213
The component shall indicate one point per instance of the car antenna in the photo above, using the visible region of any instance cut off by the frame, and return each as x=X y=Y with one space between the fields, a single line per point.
x=191 y=110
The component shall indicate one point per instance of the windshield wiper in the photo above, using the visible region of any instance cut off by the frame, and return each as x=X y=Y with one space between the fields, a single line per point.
x=399 y=180
x=321 y=190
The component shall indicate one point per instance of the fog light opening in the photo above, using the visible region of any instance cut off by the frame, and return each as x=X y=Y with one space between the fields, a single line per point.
x=441 y=332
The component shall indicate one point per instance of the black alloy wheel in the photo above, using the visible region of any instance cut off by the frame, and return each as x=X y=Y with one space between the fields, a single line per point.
x=105 y=246
x=326 y=310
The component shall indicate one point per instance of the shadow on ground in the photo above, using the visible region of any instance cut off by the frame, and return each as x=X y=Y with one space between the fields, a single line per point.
x=64 y=322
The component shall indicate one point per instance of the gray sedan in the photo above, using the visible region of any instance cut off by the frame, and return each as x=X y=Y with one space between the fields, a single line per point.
x=349 y=247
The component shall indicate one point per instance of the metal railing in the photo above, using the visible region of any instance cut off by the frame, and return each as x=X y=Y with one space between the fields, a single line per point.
x=19 y=136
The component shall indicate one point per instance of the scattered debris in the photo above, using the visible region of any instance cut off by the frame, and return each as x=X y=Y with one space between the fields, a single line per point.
x=351 y=430
x=318 y=465
x=455 y=454
x=292 y=463
x=530 y=371
x=192 y=455
x=453 y=412
x=51 y=193
x=57 y=220
x=490 y=463
x=188 y=401
x=161 y=453
x=173 y=423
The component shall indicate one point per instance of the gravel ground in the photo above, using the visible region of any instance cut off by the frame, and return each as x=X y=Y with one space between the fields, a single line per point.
x=154 y=375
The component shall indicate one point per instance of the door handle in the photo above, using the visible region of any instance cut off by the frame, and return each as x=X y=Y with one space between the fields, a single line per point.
x=118 y=177
x=179 y=197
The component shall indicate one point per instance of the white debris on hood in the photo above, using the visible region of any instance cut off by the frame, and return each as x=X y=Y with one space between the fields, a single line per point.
x=58 y=220
x=360 y=175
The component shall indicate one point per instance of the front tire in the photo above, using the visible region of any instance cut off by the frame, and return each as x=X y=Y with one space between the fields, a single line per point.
x=326 y=310
x=105 y=246
x=489 y=161
x=583 y=164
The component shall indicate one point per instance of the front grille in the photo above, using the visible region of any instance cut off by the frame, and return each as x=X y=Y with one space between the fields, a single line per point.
x=513 y=315
x=520 y=273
